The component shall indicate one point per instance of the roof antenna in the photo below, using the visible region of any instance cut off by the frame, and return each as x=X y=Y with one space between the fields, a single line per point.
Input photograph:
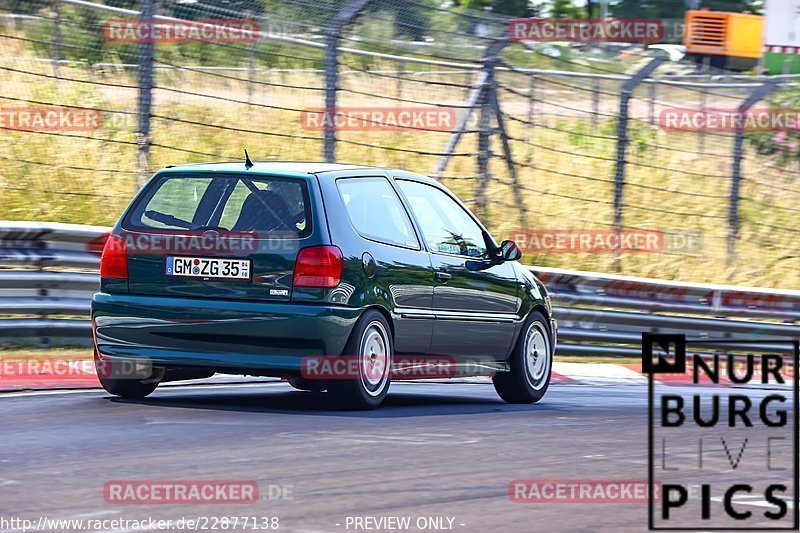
x=247 y=163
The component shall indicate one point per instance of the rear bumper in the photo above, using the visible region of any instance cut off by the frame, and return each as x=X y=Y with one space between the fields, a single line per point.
x=222 y=335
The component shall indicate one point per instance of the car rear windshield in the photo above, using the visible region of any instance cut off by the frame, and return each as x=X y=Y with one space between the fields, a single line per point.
x=273 y=205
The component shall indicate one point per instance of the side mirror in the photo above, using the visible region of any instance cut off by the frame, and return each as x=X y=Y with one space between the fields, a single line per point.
x=509 y=251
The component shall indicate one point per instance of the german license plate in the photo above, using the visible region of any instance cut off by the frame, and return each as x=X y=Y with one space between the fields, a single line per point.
x=206 y=267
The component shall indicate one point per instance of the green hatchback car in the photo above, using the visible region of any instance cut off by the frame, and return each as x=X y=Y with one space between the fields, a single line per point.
x=339 y=278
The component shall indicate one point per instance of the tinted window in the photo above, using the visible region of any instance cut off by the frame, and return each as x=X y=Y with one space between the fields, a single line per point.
x=376 y=212
x=233 y=203
x=446 y=226
x=174 y=203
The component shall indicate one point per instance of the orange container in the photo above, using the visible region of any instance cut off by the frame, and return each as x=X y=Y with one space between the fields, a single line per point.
x=736 y=35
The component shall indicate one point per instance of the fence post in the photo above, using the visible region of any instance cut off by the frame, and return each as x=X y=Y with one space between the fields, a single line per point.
x=531 y=110
x=702 y=133
x=531 y=103
x=57 y=40
x=251 y=65
x=595 y=101
x=512 y=169
x=484 y=148
x=476 y=96
x=145 y=84
x=346 y=14
x=400 y=66
x=736 y=173
x=651 y=89
x=622 y=143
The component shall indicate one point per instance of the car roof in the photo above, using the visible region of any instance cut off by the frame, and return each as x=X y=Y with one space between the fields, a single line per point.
x=285 y=167
x=269 y=167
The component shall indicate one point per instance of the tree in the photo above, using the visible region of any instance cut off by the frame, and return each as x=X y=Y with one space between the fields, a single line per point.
x=23 y=6
x=566 y=9
x=411 y=19
x=514 y=8
x=676 y=9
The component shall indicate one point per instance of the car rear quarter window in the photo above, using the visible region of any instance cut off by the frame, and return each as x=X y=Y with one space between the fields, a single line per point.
x=376 y=212
x=275 y=206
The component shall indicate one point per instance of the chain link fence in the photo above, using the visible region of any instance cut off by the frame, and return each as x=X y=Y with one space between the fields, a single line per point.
x=560 y=148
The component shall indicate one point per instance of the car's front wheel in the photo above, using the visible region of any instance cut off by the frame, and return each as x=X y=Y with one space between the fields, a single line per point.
x=125 y=379
x=368 y=353
x=531 y=363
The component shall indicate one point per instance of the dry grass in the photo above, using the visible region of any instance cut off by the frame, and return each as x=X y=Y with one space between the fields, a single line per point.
x=569 y=188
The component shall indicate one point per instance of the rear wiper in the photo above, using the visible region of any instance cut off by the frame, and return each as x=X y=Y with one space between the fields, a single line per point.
x=164 y=218
x=211 y=227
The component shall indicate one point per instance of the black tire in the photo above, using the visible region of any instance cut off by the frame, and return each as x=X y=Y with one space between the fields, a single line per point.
x=530 y=376
x=119 y=385
x=369 y=337
x=304 y=384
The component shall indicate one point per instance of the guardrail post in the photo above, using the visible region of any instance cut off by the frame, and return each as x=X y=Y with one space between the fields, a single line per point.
x=145 y=84
x=736 y=172
x=622 y=143
x=346 y=14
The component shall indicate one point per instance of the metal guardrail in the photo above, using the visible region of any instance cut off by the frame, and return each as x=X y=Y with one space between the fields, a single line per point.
x=599 y=314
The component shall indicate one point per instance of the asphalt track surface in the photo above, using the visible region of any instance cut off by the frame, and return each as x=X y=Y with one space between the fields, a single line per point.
x=432 y=450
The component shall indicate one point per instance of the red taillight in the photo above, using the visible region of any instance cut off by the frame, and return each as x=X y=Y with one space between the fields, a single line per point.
x=114 y=261
x=318 y=266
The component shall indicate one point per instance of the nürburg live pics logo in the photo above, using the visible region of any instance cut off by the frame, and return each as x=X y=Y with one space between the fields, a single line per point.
x=723 y=433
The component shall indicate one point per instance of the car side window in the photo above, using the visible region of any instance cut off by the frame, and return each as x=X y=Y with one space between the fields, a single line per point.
x=446 y=226
x=376 y=212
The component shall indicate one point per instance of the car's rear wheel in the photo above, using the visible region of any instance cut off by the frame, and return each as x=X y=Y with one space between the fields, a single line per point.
x=371 y=345
x=531 y=363
x=310 y=385
x=124 y=379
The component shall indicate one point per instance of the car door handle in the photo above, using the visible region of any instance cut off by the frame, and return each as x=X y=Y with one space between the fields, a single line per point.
x=443 y=276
